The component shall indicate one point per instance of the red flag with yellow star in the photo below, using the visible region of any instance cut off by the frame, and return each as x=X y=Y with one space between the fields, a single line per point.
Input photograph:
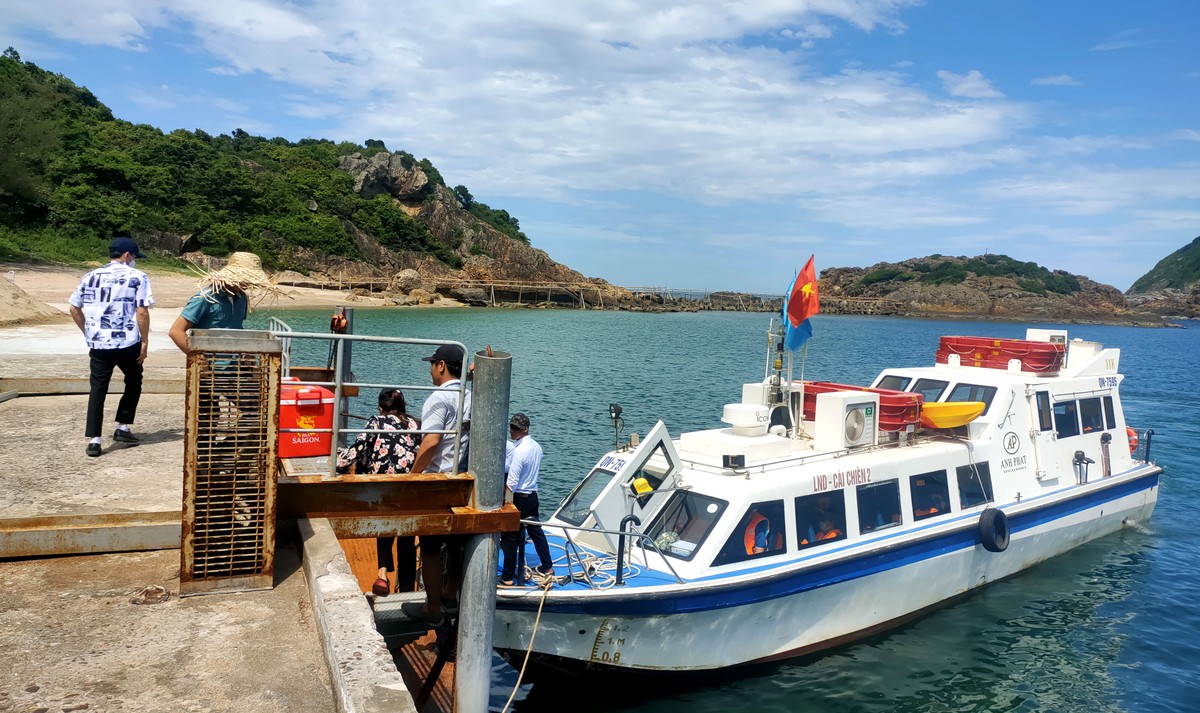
x=802 y=303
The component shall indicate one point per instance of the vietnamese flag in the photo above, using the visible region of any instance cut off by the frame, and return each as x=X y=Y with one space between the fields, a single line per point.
x=802 y=303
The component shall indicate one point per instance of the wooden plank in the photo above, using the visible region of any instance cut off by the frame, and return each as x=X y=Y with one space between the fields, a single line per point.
x=415 y=661
x=89 y=534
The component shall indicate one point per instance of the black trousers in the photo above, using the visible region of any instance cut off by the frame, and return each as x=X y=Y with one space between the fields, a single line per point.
x=406 y=568
x=102 y=363
x=527 y=505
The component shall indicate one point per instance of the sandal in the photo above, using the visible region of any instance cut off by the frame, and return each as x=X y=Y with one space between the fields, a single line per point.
x=381 y=587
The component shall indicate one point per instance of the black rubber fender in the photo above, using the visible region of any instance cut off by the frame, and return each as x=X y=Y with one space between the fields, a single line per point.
x=993 y=530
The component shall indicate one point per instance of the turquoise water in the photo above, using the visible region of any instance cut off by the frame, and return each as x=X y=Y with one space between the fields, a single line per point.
x=1110 y=626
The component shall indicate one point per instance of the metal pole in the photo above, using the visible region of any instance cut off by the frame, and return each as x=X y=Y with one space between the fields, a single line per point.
x=477 y=600
x=343 y=374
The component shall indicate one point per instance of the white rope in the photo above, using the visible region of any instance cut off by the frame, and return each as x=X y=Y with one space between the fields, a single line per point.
x=528 y=651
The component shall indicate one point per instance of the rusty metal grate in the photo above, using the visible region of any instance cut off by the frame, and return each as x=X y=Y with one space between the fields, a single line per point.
x=229 y=462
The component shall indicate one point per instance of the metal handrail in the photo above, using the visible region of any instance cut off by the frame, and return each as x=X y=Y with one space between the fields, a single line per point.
x=641 y=537
x=282 y=331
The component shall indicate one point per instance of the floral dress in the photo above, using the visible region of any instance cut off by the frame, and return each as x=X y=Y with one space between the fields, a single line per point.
x=382 y=453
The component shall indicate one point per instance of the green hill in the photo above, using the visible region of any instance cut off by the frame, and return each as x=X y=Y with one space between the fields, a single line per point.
x=72 y=175
x=1180 y=270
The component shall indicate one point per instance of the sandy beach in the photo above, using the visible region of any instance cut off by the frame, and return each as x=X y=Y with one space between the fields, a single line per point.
x=45 y=326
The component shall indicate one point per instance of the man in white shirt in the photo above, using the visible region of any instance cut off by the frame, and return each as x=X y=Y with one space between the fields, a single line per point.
x=436 y=455
x=522 y=463
x=111 y=307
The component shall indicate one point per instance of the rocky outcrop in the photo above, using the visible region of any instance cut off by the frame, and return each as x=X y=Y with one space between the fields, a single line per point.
x=394 y=174
x=486 y=253
x=992 y=296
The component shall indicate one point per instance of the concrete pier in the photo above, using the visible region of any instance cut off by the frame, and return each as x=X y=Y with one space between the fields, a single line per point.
x=73 y=639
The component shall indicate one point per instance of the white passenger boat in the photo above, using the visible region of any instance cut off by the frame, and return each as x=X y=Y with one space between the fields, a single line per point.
x=827 y=512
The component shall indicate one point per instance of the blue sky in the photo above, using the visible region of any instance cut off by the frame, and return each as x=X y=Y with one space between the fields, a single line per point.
x=706 y=145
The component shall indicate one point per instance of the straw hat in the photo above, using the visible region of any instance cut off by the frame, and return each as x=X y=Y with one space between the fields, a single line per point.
x=243 y=271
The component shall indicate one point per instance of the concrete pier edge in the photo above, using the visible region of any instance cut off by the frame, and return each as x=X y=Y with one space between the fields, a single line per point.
x=364 y=676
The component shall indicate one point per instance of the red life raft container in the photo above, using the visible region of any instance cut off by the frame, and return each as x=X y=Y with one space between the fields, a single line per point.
x=989 y=353
x=897 y=409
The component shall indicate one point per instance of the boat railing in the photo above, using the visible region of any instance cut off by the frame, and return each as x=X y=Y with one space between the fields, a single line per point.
x=575 y=552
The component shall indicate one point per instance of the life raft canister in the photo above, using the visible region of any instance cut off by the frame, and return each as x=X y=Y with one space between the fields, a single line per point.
x=993 y=530
x=1133 y=439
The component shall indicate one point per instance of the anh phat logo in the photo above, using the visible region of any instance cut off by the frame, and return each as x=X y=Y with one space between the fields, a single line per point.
x=1012 y=443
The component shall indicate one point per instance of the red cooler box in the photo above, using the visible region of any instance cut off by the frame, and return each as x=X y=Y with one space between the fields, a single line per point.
x=304 y=407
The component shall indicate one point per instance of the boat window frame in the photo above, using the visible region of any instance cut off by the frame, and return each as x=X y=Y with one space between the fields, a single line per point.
x=925 y=379
x=895 y=517
x=989 y=393
x=1093 y=420
x=920 y=493
x=655 y=530
x=904 y=381
x=983 y=475
x=1045 y=411
x=734 y=549
x=596 y=474
x=810 y=512
x=1110 y=413
x=1069 y=407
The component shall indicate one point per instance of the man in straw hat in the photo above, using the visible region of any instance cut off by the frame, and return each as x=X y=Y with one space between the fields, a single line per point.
x=222 y=302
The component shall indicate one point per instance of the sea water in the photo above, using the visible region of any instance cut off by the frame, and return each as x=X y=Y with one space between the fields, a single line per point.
x=1110 y=626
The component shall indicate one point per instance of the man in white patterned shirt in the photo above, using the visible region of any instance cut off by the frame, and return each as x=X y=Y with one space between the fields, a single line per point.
x=111 y=308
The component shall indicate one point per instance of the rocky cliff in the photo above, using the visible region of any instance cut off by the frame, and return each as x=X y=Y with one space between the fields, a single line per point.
x=1172 y=286
x=485 y=252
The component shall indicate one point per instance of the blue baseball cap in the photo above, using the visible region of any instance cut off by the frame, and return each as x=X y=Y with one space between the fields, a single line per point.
x=120 y=246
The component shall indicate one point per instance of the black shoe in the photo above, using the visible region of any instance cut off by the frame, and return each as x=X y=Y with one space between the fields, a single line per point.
x=123 y=436
x=94 y=450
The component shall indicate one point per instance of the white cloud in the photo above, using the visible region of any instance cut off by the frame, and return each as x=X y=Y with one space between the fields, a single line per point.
x=1125 y=39
x=706 y=107
x=1058 y=80
x=972 y=85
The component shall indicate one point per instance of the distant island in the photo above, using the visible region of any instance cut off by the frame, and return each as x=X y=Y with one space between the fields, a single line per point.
x=361 y=217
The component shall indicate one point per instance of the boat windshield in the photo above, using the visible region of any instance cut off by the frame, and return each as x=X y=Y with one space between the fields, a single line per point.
x=683 y=524
x=578 y=504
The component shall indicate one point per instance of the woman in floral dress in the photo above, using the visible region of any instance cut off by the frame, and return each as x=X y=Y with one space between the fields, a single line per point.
x=387 y=453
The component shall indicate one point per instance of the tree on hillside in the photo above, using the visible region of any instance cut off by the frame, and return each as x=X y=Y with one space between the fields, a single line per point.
x=28 y=138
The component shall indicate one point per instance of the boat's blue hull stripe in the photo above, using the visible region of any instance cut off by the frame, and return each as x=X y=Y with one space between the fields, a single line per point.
x=901 y=554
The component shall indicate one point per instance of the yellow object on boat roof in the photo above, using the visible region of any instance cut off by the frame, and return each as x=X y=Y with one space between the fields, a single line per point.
x=950 y=414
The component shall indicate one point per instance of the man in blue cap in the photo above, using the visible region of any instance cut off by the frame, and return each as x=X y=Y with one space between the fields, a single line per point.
x=111 y=308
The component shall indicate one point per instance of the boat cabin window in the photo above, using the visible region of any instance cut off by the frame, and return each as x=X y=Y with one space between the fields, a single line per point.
x=1043 y=407
x=820 y=518
x=973 y=392
x=974 y=484
x=760 y=533
x=930 y=494
x=1066 y=419
x=1110 y=415
x=1091 y=414
x=578 y=504
x=684 y=522
x=895 y=383
x=931 y=389
x=878 y=505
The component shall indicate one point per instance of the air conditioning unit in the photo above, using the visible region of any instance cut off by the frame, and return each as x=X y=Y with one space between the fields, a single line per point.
x=846 y=419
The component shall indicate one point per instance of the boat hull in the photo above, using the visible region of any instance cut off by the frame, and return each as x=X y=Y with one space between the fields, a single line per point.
x=806 y=607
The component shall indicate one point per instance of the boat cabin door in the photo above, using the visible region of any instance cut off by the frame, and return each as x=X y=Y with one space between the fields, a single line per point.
x=635 y=483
